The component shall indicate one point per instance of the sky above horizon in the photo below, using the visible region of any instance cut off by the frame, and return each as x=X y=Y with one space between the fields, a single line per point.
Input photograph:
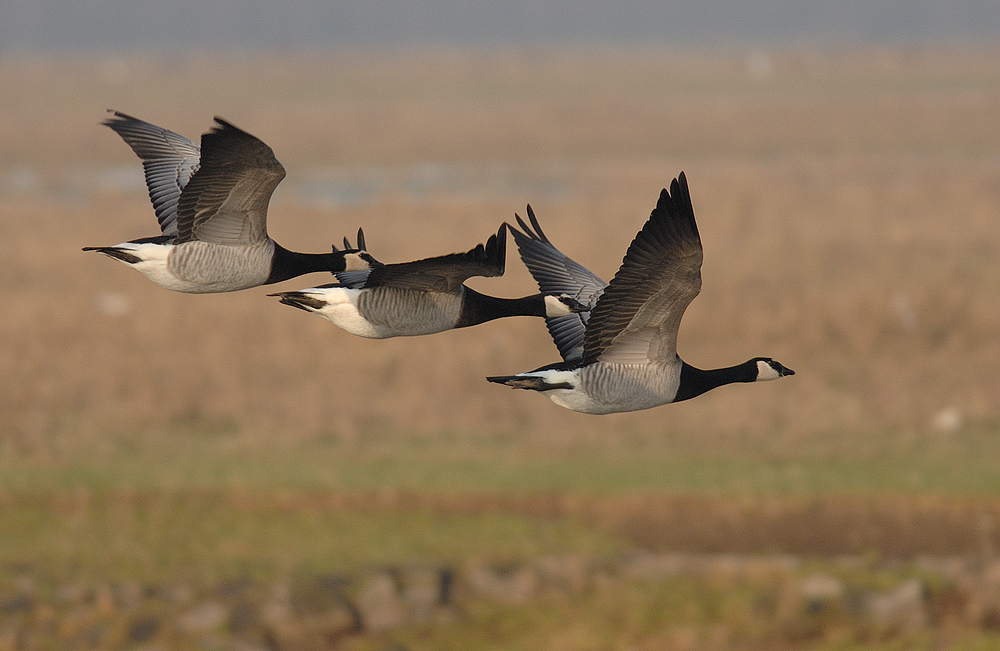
x=38 y=26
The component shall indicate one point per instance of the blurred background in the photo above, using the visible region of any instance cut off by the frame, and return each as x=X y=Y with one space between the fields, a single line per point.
x=224 y=472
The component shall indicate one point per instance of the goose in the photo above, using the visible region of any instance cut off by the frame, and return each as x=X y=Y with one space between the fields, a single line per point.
x=423 y=297
x=211 y=203
x=621 y=355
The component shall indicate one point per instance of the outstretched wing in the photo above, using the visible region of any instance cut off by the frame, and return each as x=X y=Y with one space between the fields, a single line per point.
x=557 y=274
x=444 y=273
x=168 y=159
x=225 y=202
x=637 y=317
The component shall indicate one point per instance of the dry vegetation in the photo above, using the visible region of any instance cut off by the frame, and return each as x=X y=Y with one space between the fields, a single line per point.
x=848 y=203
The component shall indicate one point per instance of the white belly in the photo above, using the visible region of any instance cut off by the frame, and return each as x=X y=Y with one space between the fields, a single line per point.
x=581 y=401
x=341 y=309
x=217 y=268
x=576 y=398
x=609 y=388
x=153 y=265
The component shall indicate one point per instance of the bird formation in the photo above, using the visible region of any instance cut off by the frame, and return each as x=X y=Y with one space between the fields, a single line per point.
x=617 y=340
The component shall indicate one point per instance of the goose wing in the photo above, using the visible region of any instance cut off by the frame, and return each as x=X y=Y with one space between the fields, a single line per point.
x=168 y=159
x=637 y=317
x=444 y=273
x=557 y=274
x=352 y=279
x=225 y=202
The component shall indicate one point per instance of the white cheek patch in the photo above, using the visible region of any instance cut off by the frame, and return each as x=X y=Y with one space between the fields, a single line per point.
x=555 y=307
x=354 y=262
x=765 y=372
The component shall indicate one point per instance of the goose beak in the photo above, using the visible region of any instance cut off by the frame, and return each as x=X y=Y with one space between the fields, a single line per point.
x=784 y=370
x=562 y=305
x=574 y=305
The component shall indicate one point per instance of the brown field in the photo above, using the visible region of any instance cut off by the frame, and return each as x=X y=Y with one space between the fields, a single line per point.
x=849 y=206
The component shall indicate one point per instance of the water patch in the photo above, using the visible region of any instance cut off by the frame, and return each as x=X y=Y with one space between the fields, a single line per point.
x=73 y=185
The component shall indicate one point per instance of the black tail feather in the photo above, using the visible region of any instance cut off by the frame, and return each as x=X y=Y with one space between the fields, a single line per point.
x=113 y=252
x=532 y=382
x=300 y=300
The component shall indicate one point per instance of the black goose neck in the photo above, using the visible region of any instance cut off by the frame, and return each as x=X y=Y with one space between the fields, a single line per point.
x=695 y=381
x=480 y=308
x=287 y=264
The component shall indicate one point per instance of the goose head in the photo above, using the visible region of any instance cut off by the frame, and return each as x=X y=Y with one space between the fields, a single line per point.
x=359 y=260
x=356 y=259
x=769 y=369
x=562 y=305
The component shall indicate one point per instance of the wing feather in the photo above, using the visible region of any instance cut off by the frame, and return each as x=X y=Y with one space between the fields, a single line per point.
x=225 y=202
x=352 y=279
x=444 y=273
x=637 y=317
x=168 y=160
x=557 y=274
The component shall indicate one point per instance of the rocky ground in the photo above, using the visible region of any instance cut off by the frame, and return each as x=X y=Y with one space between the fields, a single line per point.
x=792 y=601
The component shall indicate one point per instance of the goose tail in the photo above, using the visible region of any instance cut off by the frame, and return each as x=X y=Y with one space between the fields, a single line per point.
x=116 y=253
x=304 y=300
x=533 y=382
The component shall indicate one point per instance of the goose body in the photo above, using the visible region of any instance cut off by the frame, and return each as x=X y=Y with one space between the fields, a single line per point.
x=198 y=267
x=382 y=312
x=211 y=203
x=606 y=388
x=621 y=354
x=422 y=297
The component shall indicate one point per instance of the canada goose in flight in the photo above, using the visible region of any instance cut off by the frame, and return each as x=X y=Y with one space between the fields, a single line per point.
x=211 y=202
x=623 y=355
x=423 y=297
